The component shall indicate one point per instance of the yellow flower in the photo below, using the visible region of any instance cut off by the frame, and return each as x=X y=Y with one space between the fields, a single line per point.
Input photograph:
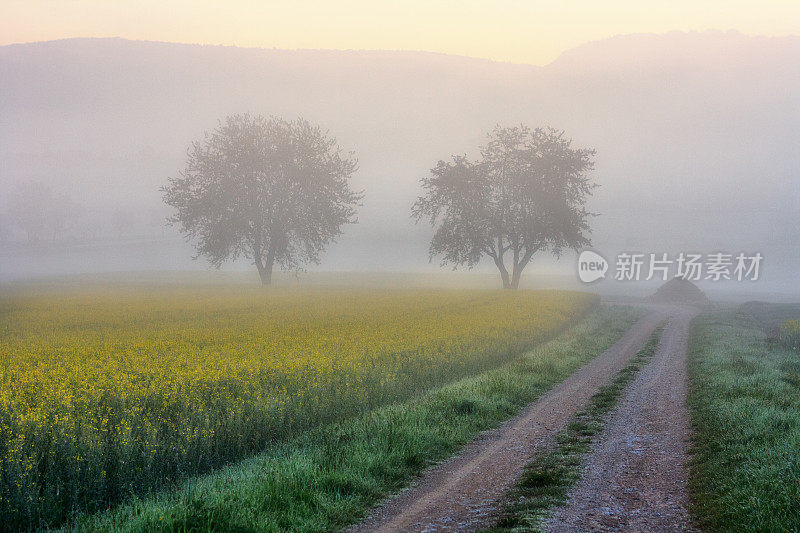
x=132 y=387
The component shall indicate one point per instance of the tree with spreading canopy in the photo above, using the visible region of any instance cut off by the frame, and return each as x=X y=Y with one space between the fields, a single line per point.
x=267 y=189
x=526 y=193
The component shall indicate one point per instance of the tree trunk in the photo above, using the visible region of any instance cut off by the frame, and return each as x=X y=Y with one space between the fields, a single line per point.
x=503 y=274
x=265 y=268
x=265 y=273
x=519 y=266
x=498 y=260
x=515 y=278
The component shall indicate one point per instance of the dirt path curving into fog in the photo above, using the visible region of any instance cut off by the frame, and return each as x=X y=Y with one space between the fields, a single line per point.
x=636 y=475
x=463 y=493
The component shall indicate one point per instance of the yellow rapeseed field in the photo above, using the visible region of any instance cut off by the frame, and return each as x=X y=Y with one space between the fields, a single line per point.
x=109 y=393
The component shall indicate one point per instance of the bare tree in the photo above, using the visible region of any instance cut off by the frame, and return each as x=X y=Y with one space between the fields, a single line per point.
x=271 y=190
x=526 y=194
x=37 y=210
x=42 y=213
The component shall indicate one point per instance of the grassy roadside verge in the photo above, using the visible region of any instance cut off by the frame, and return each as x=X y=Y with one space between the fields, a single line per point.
x=547 y=480
x=744 y=400
x=326 y=478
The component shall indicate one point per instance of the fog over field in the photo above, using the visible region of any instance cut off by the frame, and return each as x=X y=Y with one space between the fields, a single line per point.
x=696 y=137
x=399 y=266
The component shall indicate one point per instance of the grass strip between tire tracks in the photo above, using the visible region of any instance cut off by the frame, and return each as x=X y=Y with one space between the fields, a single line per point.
x=547 y=480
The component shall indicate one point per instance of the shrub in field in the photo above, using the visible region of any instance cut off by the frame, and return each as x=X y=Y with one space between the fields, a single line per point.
x=112 y=394
x=789 y=334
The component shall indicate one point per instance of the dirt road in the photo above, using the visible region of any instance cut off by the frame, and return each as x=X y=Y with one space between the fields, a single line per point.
x=635 y=478
x=462 y=493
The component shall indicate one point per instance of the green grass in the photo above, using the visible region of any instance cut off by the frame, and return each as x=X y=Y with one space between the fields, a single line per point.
x=767 y=316
x=327 y=478
x=744 y=401
x=547 y=480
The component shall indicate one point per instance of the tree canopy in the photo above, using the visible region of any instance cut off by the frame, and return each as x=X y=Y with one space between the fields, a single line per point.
x=525 y=194
x=271 y=190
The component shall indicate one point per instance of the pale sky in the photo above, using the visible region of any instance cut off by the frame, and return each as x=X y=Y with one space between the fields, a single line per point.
x=522 y=31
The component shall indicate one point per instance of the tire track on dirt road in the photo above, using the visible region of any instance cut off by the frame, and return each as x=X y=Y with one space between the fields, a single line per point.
x=464 y=492
x=635 y=478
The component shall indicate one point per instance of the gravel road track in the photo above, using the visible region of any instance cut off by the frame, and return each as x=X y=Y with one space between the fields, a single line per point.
x=464 y=492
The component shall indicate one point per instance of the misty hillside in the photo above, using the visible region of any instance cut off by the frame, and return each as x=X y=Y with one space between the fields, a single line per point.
x=692 y=131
